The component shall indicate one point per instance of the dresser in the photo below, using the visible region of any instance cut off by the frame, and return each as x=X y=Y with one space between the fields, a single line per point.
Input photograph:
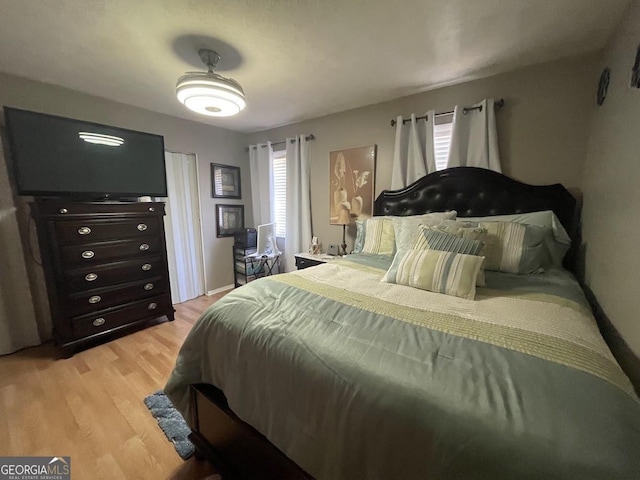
x=105 y=266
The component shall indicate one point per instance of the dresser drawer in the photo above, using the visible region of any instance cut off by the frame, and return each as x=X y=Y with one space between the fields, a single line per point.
x=98 y=299
x=107 y=319
x=92 y=253
x=89 y=231
x=112 y=273
x=61 y=210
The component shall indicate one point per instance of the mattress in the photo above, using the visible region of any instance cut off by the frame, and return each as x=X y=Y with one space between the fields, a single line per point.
x=354 y=378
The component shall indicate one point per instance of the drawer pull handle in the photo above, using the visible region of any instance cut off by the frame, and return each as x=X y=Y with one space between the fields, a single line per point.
x=88 y=254
x=152 y=306
x=144 y=246
x=151 y=209
x=63 y=210
x=90 y=277
x=146 y=267
x=142 y=227
x=95 y=299
x=98 y=321
x=84 y=230
x=148 y=286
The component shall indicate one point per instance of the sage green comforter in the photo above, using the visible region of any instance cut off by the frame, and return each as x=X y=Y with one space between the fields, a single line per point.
x=353 y=378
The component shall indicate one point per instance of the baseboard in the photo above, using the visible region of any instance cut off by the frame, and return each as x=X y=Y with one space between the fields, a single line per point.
x=218 y=290
x=627 y=359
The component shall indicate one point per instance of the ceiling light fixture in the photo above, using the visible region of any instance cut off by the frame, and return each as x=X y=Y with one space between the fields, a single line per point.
x=101 y=139
x=209 y=93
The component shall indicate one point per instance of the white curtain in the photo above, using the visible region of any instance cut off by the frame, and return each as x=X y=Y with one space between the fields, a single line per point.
x=298 y=231
x=261 y=166
x=182 y=228
x=18 y=324
x=413 y=154
x=474 y=140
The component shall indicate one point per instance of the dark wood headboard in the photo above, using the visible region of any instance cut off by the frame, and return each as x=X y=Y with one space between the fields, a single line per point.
x=478 y=192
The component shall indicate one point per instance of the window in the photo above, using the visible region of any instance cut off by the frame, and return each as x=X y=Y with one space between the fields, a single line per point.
x=442 y=139
x=280 y=191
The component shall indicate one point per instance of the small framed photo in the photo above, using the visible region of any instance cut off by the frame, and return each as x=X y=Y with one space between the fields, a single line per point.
x=225 y=181
x=229 y=218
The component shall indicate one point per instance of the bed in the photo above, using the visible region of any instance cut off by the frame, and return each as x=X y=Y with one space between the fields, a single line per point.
x=335 y=374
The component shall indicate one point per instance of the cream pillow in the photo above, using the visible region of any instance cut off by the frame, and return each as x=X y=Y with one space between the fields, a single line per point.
x=515 y=247
x=406 y=228
x=379 y=238
x=436 y=271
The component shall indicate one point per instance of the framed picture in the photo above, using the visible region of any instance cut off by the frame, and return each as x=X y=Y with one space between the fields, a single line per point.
x=351 y=183
x=225 y=181
x=229 y=218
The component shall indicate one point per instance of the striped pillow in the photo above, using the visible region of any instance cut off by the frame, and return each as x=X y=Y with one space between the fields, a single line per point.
x=441 y=272
x=515 y=247
x=435 y=239
x=428 y=238
x=379 y=238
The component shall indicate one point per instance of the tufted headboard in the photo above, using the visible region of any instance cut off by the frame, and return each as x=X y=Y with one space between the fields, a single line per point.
x=478 y=192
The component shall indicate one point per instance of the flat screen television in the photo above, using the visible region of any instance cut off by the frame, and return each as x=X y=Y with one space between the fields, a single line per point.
x=62 y=157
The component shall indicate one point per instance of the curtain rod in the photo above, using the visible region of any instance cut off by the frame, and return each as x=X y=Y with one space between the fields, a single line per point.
x=497 y=105
x=307 y=138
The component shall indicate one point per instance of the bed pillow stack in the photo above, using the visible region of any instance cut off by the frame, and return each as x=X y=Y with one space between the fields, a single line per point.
x=385 y=235
x=555 y=242
x=450 y=238
x=441 y=262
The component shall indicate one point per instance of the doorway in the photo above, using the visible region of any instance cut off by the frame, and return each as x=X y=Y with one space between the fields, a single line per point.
x=183 y=227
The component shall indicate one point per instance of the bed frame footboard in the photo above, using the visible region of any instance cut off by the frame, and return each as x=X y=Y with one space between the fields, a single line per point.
x=234 y=447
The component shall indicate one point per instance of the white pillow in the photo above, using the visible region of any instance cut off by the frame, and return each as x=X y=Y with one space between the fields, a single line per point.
x=556 y=244
x=407 y=228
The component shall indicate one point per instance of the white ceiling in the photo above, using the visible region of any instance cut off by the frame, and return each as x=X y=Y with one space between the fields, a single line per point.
x=295 y=59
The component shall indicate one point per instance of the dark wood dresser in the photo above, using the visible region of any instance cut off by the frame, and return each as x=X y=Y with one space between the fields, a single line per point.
x=105 y=266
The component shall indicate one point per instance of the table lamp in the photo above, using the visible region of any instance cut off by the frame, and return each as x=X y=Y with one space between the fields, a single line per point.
x=344 y=219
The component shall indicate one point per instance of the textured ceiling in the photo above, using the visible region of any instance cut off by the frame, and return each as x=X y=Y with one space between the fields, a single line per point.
x=295 y=59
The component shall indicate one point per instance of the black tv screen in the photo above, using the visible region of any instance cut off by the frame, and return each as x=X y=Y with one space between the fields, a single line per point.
x=56 y=156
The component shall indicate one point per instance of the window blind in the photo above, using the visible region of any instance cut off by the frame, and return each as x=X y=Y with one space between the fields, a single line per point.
x=442 y=143
x=280 y=192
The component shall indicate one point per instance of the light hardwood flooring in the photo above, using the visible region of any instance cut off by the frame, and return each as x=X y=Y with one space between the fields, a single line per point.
x=90 y=406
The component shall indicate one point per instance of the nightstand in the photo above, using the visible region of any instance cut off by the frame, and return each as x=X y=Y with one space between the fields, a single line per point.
x=306 y=260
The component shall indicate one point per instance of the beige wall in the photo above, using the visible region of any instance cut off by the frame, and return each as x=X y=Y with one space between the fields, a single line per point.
x=543 y=129
x=210 y=144
x=611 y=230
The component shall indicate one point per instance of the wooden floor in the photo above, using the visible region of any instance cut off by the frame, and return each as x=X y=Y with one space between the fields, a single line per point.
x=90 y=406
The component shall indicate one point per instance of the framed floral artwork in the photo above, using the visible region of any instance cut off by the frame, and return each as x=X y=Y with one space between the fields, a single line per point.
x=351 y=184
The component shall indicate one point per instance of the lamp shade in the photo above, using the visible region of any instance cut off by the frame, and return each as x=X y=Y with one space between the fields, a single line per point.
x=210 y=94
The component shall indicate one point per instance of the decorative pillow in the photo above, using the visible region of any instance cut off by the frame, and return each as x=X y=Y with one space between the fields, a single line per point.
x=467 y=230
x=406 y=228
x=515 y=247
x=431 y=238
x=557 y=242
x=360 y=233
x=379 y=238
x=441 y=272
x=435 y=239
